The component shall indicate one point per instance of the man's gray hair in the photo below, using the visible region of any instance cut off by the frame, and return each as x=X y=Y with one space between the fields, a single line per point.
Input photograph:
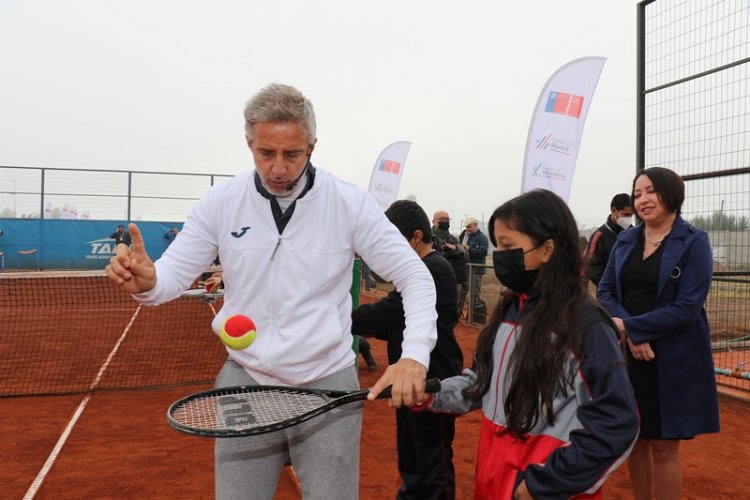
x=278 y=103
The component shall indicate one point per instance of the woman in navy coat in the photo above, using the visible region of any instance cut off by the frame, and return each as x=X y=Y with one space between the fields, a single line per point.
x=654 y=286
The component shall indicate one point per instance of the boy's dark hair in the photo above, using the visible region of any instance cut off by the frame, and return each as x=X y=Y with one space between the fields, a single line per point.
x=539 y=365
x=408 y=216
x=667 y=184
x=620 y=201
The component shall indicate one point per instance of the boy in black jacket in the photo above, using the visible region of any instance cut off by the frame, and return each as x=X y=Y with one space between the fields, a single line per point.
x=424 y=440
x=602 y=241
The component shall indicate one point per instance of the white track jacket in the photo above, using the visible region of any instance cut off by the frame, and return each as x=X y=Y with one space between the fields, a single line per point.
x=296 y=287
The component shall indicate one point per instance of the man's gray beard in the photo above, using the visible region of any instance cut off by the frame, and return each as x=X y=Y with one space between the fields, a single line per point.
x=273 y=192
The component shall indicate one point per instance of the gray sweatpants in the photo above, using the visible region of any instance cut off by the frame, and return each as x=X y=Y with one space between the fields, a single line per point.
x=324 y=450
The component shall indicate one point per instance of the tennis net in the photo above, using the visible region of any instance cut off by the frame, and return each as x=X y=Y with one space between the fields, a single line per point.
x=75 y=331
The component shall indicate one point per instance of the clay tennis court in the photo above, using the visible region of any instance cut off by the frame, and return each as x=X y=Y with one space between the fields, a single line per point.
x=122 y=447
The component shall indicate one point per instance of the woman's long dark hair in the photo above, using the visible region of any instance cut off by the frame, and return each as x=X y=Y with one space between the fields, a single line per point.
x=539 y=366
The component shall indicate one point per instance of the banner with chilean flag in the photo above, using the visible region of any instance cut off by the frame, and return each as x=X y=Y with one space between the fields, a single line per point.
x=557 y=126
x=386 y=174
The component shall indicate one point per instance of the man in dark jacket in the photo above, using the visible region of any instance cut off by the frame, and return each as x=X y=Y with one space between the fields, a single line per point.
x=449 y=247
x=477 y=245
x=423 y=439
x=121 y=236
x=603 y=239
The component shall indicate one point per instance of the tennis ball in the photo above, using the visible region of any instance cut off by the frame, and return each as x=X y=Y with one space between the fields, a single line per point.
x=238 y=332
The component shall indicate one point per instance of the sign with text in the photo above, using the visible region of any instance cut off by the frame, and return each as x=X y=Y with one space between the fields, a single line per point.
x=386 y=174
x=557 y=126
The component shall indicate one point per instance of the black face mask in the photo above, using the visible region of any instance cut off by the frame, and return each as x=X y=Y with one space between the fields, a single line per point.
x=512 y=272
x=444 y=225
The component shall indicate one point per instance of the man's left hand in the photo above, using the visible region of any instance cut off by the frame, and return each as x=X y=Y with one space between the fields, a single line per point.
x=407 y=378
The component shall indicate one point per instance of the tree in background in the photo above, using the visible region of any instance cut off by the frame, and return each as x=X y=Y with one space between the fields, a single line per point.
x=719 y=221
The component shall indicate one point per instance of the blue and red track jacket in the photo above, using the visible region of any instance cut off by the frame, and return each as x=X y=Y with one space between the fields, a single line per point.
x=596 y=422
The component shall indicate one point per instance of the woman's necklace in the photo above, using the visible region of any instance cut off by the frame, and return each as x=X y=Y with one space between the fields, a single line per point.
x=656 y=243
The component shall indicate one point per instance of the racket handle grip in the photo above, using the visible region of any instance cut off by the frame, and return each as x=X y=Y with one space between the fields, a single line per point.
x=431 y=386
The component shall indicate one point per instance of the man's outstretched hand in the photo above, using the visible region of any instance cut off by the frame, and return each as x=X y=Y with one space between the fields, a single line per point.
x=132 y=269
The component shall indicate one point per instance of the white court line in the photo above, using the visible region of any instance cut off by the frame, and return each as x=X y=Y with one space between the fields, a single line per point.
x=74 y=419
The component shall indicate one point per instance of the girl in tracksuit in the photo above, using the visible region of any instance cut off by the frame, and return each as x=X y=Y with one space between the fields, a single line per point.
x=559 y=415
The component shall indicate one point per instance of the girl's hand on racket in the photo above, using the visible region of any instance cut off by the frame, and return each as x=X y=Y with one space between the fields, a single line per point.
x=132 y=269
x=407 y=378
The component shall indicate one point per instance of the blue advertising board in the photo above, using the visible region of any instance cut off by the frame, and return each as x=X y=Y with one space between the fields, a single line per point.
x=71 y=244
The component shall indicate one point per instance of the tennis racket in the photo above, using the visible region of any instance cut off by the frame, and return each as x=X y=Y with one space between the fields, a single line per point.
x=251 y=410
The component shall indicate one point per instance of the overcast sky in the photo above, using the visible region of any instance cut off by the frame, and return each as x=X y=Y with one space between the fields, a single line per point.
x=160 y=85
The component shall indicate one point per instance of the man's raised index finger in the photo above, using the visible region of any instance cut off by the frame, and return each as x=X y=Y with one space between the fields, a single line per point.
x=137 y=239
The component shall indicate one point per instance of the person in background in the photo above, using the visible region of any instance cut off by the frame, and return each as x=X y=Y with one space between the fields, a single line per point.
x=121 y=236
x=654 y=286
x=477 y=246
x=286 y=234
x=583 y=247
x=171 y=235
x=559 y=415
x=423 y=440
x=451 y=249
x=603 y=239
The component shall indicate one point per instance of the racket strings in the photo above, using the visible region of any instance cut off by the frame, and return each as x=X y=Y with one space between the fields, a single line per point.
x=241 y=410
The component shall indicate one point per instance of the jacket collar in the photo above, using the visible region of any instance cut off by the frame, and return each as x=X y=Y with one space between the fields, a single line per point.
x=680 y=229
x=282 y=218
x=673 y=251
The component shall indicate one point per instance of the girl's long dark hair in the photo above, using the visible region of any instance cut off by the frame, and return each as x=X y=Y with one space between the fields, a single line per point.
x=539 y=366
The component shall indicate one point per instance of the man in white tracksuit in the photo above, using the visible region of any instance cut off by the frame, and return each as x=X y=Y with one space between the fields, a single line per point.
x=286 y=234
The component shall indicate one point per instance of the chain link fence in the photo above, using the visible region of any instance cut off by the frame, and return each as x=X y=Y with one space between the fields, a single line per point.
x=694 y=118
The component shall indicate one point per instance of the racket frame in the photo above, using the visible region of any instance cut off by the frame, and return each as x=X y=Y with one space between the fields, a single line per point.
x=333 y=399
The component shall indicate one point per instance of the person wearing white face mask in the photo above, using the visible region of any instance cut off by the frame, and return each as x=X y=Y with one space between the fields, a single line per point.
x=603 y=239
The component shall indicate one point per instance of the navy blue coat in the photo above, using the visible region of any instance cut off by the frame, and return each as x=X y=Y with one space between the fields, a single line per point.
x=677 y=328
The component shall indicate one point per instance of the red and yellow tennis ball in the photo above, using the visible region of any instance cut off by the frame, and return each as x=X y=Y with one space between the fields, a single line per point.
x=238 y=332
